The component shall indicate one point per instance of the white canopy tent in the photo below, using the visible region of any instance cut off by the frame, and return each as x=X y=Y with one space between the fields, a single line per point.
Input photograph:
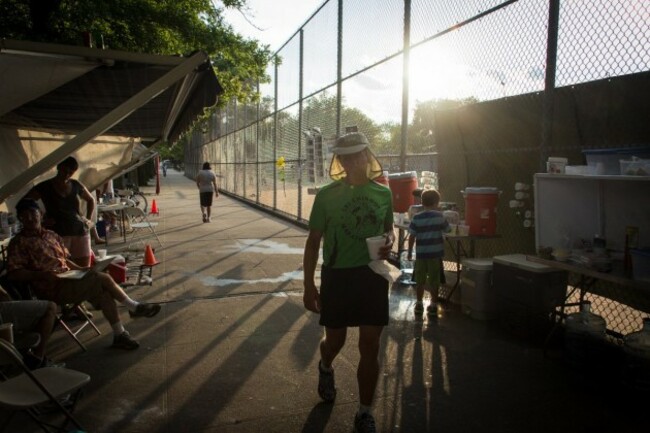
x=107 y=108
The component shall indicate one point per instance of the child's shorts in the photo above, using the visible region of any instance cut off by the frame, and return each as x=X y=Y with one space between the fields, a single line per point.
x=427 y=270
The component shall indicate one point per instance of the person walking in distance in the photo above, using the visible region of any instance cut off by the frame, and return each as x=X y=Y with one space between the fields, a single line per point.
x=344 y=214
x=206 y=182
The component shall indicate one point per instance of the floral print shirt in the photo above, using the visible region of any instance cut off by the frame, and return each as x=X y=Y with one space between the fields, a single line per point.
x=43 y=251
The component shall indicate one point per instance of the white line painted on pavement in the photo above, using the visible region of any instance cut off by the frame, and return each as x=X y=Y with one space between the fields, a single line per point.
x=221 y=282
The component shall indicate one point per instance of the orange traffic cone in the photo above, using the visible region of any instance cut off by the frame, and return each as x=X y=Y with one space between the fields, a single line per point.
x=149 y=258
x=154 y=207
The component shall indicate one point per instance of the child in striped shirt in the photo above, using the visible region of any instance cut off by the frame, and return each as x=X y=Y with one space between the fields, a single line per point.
x=425 y=232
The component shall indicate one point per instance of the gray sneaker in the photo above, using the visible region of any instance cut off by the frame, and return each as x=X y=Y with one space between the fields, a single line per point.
x=364 y=423
x=125 y=341
x=326 y=387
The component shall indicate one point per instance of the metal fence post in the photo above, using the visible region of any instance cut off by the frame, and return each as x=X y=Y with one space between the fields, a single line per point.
x=275 y=134
x=549 y=81
x=339 y=66
x=405 y=83
x=300 y=101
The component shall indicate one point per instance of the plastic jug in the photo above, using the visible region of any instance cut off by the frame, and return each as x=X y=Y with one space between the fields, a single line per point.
x=584 y=340
x=637 y=357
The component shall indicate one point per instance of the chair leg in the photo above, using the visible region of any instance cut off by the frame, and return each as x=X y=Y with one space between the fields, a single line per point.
x=156 y=235
x=81 y=311
x=71 y=333
x=35 y=414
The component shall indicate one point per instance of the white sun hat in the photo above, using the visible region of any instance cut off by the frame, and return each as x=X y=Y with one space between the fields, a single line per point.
x=349 y=144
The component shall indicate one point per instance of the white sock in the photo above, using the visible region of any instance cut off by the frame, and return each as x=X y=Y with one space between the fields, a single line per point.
x=363 y=409
x=118 y=328
x=130 y=304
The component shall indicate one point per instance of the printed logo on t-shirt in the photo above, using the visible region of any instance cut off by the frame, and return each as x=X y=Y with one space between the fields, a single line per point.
x=360 y=218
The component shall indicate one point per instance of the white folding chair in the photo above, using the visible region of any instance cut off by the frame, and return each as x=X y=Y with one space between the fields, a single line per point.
x=139 y=222
x=29 y=391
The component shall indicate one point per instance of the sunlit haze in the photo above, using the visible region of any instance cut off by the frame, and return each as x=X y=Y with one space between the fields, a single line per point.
x=275 y=20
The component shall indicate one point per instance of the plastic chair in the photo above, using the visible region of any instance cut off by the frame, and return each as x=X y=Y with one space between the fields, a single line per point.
x=29 y=390
x=139 y=221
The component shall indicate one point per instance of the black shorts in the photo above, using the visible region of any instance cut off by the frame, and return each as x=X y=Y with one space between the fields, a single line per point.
x=353 y=297
x=206 y=198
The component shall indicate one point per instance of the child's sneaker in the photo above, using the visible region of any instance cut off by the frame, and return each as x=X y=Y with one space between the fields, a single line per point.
x=419 y=308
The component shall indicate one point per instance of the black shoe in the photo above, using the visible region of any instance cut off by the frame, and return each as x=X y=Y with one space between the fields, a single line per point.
x=125 y=341
x=326 y=386
x=32 y=361
x=145 y=310
x=364 y=423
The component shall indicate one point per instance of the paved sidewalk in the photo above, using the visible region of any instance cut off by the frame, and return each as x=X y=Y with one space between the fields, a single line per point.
x=233 y=350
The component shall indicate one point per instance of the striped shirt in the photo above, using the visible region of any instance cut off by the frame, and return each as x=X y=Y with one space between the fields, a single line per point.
x=428 y=227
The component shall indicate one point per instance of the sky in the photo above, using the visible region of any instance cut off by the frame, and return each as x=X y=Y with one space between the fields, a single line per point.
x=278 y=19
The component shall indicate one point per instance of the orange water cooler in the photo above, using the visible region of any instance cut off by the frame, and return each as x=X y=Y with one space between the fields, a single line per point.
x=402 y=186
x=481 y=210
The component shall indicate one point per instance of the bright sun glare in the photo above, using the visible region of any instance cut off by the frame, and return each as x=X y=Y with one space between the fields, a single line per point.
x=435 y=74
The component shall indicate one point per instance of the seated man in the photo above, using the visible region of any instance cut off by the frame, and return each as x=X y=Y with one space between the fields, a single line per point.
x=30 y=315
x=37 y=255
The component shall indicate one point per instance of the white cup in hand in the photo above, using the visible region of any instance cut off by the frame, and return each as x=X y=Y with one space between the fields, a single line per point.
x=374 y=244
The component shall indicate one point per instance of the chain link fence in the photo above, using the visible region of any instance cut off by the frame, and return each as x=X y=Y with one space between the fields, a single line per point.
x=489 y=87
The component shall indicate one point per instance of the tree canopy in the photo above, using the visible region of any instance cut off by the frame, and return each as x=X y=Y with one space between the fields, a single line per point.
x=169 y=27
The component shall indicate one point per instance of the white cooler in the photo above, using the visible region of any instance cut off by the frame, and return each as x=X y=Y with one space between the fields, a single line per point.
x=477 y=296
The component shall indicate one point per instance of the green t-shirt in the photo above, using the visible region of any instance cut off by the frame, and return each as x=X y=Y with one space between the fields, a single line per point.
x=347 y=215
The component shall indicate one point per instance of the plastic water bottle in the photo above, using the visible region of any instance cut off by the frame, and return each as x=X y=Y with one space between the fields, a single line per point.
x=637 y=357
x=585 y=337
